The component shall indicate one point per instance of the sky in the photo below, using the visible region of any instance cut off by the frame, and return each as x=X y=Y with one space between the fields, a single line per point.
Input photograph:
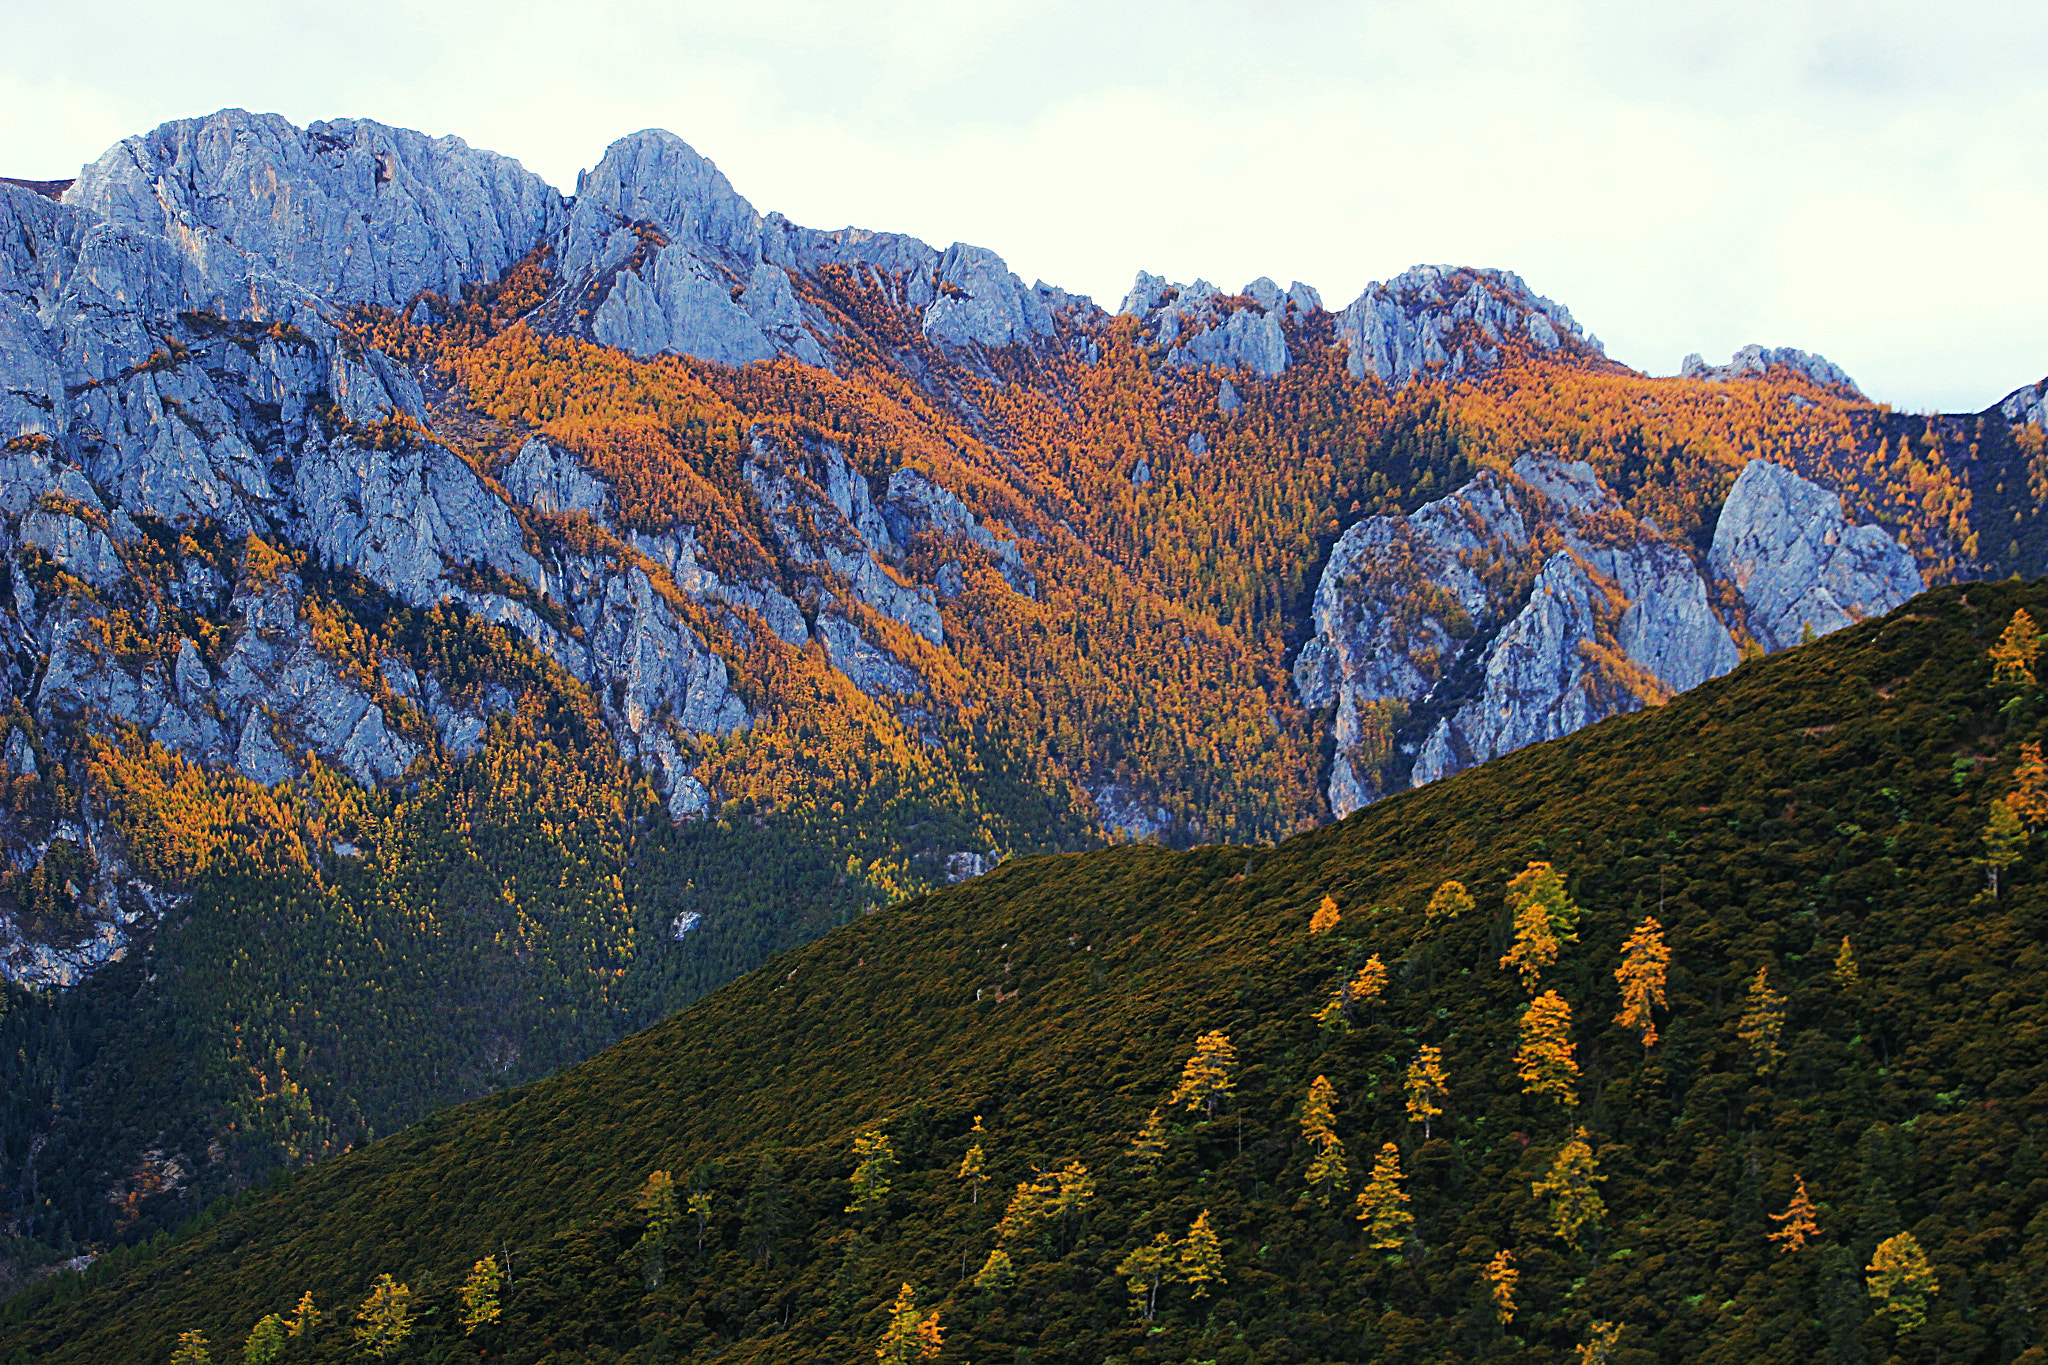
x=1867 y=180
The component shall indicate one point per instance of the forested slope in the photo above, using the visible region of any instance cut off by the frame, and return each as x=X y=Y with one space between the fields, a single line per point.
x=1816 y=819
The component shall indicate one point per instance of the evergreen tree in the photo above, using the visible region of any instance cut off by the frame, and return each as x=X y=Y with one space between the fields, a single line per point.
x=1900 y=1278
x=873 y=1160
x=766 y=1216
x=1427 y=1088
x=1150 y=1145
x=266 y=1341
x=971 y=1170
x=1325 y=918
x=1500 y=1278
x=1381 y=1205
x=192 y=1350
x=996 y=1272
x=699 y=1206
x=1762 y=1023
x=1644 y=961
x=2005 y=841
x=657 y=1199
x=1206 y=1077
x=1568 y=1185
x=385 y=1318
x=2012 y=658
x=1544 y=1060
x=1798 y=1218
x=1201 y=1257
x=909 y=1335
x=1449 y=901
x=1144 y=1270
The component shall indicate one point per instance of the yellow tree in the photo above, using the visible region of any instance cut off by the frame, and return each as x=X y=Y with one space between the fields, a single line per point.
x=1076 y=1189
x=1535 y=949
x=1150 y=1146
x=1029 y=1207
x=1900 y=1279
x=873 y=1159
x=1427 y=1088
x=1382 y=1204
x=385 y=1319
x=1545 y=1060
x=1644 y=961
x=1500 y=1278
x=971 y=1167
x=1763 y=1023
x=2005 y=840
x=909 y=1335
x=1568 y=1185
x=1846 y=971
x=1201 y=1257
x=1600 y=1345
x=266 y=1341
x=480 y=1295
x=1206 y=1077
x=1329 y=1171
x=1447 y=902
x=699 y=1207
x=1144 y=1270
x=192 y=1350
x=657 y=1199
x=2029 y=795
x=305 y=1318
x=2012 y=658
x=1325 y=918
x=1798 y=1218
x=996 y=1271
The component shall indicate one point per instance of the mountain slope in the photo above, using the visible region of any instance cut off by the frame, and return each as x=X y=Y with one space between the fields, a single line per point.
x=1834 y=791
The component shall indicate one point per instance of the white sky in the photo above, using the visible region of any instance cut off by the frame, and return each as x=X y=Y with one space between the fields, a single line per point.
x=1868 y=180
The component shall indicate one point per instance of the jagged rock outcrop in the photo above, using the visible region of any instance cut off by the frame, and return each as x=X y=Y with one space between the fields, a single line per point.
x=1450 y=322
x=1799 y=565
x=1527 y=605
x=1202 y=326
x=2026 y=405
x=1754 y=362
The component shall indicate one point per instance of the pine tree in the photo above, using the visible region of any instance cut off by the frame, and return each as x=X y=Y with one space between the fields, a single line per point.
x=480 y=1295
x=1380 y=1204
x=1644 y=961
x=305 y=1319
x=1427 y=1088
x=1500 y=1278
x=1206 y=1077
x=1799 y=1220
x=910 y=1335
x=1599 y=1347
x=1144 y=1270
x=1150 y=1145
x=1762 y=1023
x=192 y=1350
x=385 y=1318
x=1846 y=971
x=2029 y=795
x=266 y=1341
x=2005 y=840
x=873 y=1159
x=1900 y=1278
x=1545 y=1060
x=996 y=1272
x=1448 y=902
x=1574 y=1203
x=766 y=1216
x=2012 y=658
x=1325 y=918
x=1201 y=1257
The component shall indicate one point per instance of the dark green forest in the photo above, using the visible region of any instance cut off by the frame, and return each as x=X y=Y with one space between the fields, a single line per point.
x=1840 y=791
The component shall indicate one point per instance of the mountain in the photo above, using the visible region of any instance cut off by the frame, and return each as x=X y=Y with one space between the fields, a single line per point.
x=449 y=625
x=1811 y=821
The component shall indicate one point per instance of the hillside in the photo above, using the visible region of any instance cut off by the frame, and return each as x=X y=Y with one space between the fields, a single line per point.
x=1837 y=791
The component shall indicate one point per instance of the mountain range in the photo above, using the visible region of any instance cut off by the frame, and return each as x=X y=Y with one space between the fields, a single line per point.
x=450 y=625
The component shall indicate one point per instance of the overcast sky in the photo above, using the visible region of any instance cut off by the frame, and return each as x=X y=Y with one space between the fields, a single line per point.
x=1866 y=180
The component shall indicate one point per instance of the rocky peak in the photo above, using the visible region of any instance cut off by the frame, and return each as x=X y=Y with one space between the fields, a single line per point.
x=1754 y=362
x=1451 y=322
x=348 y=211
x=2024 y=405
x=1201 y=325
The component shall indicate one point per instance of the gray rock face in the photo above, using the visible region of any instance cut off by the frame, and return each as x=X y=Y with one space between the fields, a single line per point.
x=549 y=479
x=1449 y=322
x=2029 y=404
x=981 y=303
x=1201 y=328
x=1754 y=362
x=1784 y=544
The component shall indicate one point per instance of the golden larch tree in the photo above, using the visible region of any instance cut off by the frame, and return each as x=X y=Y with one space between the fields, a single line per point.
x=266 y=1341
x=1545 y=1059
x=1205 y=1079
x=1382 y=1205
x=192 y=1350
x=1201 y=1257
x=909 y=1335
x=1900 y=1278
x=1535 y=950
x=1568 y=1185
x=2012 y=658
x=305 y=1319
x=1846 y=971
x=2029 y=795
x=1801 y=1224
x=1150 y=1144
x=873 y=1159
x=1500 y=1277
x=1762 y=1024
x=996 y=1272
x=480 y=1295
x=1325 y=917
x=1428 y=1088
x=385 y=1319
x=1448 y=901
x=1144 y=1270
x=1330 y=1171
x=971 y=1165
x=1644 y=961
x=1602 y=1340
x=2005 y=840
